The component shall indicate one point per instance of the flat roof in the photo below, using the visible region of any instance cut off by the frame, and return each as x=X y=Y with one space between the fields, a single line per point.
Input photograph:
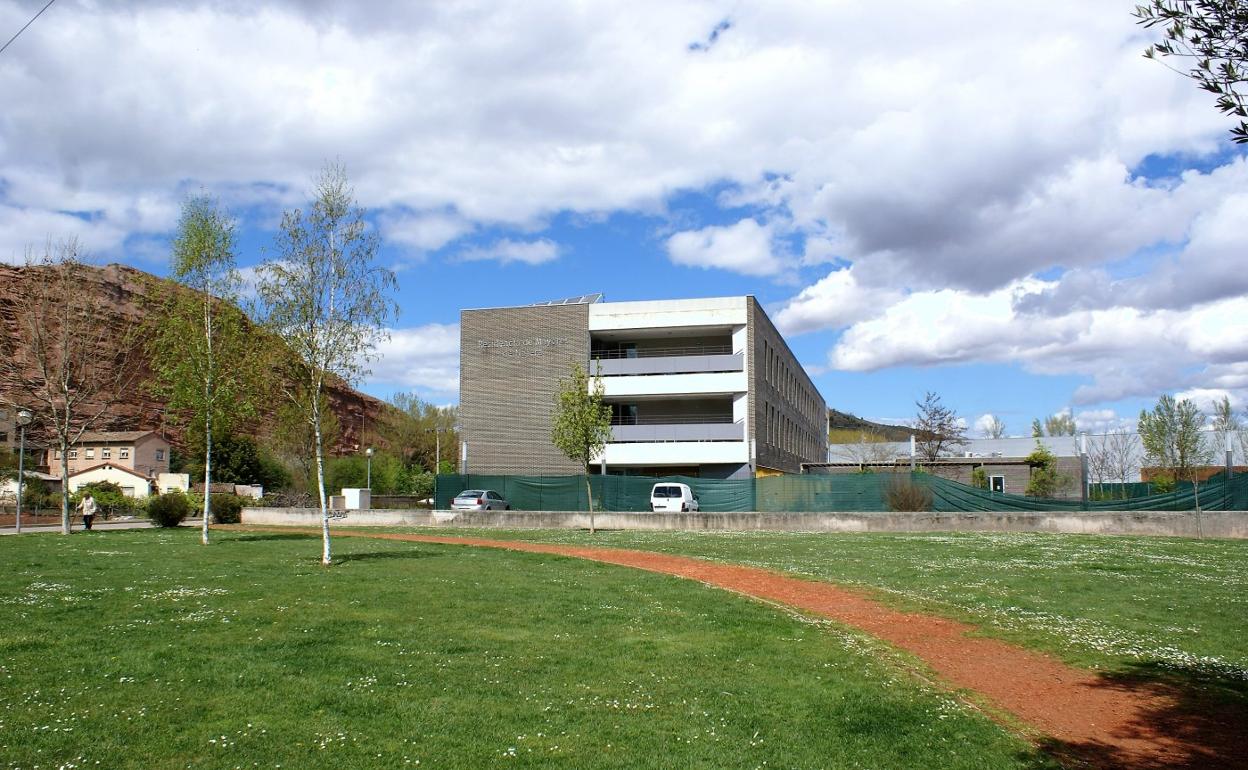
x=598 y=300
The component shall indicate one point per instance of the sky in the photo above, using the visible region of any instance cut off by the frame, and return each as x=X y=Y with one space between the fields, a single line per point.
x=1000 y=202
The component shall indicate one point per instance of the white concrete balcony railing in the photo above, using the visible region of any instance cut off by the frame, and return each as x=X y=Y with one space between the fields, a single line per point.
x=691 y=384
x=681 y=453
x=674 y=364
x=679 y=431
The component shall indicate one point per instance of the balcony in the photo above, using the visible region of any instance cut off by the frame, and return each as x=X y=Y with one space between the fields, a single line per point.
x=642 y=430
x=685 y=359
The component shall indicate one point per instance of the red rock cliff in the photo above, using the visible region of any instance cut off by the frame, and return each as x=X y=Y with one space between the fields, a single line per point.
x=123 y=297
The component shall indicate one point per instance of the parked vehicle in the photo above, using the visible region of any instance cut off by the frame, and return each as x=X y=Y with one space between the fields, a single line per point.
x=480 y=500
x=671 y=497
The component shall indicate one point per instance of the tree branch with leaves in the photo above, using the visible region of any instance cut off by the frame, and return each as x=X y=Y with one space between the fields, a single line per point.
x=937 y=427
x=581 y=428
x=325 y=298
x=1210 y=37
x=202 y=346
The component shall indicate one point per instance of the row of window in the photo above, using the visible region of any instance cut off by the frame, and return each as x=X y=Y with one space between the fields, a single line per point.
x=786 y=435
x=790 y=385
x=106 y=453
x=782 y=432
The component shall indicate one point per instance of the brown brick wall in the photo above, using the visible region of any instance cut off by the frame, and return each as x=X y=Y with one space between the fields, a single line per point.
x=1016 y=474
x=782 y=393
x=516 y=356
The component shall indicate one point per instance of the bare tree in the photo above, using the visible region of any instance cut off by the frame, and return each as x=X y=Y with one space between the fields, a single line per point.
x=1113 y=458
x=871 y=448
x=61 y=361
x=995 y=428
x=1060 y=424
x=1225 y=426
x=937 y=428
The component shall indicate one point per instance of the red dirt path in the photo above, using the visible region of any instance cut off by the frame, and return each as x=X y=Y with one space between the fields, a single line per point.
x=1085 y=718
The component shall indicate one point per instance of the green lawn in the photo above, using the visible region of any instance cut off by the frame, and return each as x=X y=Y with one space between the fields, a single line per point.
x=144 y=649
x=1159 y=606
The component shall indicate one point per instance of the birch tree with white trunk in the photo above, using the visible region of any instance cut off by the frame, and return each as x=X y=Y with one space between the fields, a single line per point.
x=202 y=347
x=325 y=298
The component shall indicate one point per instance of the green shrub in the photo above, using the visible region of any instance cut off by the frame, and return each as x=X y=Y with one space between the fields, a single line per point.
x=904 y=494
x=109 y=499
x=1046 y=480
x=979 y=478
x=168 y=510
x=1163 y=483
x=227 y=509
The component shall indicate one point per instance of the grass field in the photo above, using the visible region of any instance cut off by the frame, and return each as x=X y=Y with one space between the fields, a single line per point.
x=1156 y=606
x=144 y=649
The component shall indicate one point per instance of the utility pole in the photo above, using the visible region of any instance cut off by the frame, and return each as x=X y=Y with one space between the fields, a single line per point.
x=24 y=417
x=1083 y=470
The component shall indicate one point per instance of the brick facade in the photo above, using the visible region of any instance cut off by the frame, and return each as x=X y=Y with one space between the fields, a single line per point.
x=788 y=423
x=516 y=356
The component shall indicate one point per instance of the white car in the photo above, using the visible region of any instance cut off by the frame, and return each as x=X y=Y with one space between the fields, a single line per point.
x=480 y=500
x=672 y=497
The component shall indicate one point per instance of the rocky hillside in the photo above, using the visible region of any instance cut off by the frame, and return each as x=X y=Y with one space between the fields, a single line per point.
x=123 y=297
x=843 y=421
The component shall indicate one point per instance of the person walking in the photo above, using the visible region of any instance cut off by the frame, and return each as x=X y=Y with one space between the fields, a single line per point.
x=87 y=508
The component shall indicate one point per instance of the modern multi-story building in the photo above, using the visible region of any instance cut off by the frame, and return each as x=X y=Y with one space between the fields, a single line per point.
x=701 y=387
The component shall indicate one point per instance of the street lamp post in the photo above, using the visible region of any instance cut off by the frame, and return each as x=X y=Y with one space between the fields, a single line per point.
x=23 y=419
x=369 y=454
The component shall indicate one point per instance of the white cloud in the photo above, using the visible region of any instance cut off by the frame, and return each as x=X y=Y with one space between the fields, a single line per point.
x=506 y=250
x=833 y=302
x=744 y=247
x=1101 y=421
x=1125 y=352
x=937 y=187
x=425 y=357
x=984 y=423
x=425 y=231
x=1206 y=398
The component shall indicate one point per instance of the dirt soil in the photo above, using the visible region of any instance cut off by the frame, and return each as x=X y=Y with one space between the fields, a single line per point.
x=1084 y=718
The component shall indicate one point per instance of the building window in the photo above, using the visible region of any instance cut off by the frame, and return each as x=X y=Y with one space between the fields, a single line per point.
x=4 y=437
x=997 y=484
x=106 y=453
x=90 y=454
x=160 y=455
x=73 y=454
x=123 y=454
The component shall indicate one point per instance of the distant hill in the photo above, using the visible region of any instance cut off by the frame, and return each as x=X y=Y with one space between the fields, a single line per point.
x=125 y=295
x=846 y=428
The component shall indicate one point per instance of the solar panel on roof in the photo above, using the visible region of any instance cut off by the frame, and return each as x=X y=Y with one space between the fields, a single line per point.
x=584 y=299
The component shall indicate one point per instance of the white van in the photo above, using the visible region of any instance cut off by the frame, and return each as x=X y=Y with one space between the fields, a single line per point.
x=671 y=497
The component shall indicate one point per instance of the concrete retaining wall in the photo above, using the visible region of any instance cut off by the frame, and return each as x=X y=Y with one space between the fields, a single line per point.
x=1222 y=524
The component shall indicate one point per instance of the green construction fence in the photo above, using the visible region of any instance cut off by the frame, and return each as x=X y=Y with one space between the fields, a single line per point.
x=817 y=493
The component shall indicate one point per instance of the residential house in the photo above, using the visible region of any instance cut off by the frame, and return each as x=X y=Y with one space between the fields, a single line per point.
x=141 y=452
